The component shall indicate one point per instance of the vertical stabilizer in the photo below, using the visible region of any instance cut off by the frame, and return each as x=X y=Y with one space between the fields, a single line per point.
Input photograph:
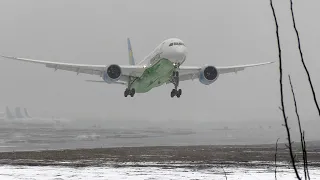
x=131 y=58
x=26 y=113
x=9 y=114
x=18 y=112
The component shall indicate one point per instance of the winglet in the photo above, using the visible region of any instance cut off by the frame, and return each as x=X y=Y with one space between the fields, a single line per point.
x=131 y=58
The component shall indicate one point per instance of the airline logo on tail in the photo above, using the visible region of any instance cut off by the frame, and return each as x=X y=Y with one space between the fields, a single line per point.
x=131 y=58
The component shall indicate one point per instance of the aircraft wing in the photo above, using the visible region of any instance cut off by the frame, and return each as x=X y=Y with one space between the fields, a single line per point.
x=192 y=72
x=127 y=70
x=101 y=81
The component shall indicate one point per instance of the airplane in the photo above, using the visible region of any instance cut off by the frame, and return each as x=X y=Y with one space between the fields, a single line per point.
x=2 y=115
x=26 y=113
x=19 y=114
x=162 y=66
x=9 y=115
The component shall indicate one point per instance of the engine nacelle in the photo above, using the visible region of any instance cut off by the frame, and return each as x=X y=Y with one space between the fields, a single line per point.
x=112 y=73
x=208 y=75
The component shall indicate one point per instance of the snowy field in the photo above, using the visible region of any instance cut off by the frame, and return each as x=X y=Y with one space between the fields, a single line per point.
x=143 y=173
x=171 y=148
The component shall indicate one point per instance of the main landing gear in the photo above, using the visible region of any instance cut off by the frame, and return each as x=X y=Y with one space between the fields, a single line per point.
x=175 y=92
x=130 y=92
x=175 y=82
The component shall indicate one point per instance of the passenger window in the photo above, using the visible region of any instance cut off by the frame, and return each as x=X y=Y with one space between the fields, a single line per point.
x=170 y=44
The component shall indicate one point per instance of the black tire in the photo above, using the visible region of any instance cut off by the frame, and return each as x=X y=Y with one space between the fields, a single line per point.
x=132 y=92
x=173 y=93
x=179 y=92
x=126 y=92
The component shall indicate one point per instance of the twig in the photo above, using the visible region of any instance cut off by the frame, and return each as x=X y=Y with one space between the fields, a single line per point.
x=302 y=60
x=303 y=146
x=225 y=174
x=305 y=155
x=275 y=160
x=281 y=92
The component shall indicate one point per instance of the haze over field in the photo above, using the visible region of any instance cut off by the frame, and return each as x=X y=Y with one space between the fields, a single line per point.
x=237 y=117
x=215 y=32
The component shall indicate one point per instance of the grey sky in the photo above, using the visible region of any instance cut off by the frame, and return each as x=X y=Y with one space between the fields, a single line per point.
x=216 y=32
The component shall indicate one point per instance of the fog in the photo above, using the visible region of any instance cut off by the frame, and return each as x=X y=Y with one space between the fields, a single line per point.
x=218 y=33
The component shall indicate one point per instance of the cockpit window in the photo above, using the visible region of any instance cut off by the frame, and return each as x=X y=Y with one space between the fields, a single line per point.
x=177 y=43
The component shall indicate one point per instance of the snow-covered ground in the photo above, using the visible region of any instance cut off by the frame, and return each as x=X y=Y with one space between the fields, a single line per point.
x=139 y=173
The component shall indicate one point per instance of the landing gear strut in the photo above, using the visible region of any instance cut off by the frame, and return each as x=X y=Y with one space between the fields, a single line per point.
x=175 y=82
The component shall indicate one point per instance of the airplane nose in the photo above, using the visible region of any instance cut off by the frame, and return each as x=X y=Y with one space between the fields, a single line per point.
x=181 y=50
x=180 y=54
x=175 y=54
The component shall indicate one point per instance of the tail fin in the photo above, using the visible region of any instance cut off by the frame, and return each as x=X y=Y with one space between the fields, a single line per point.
x=26 y=113
x=131 y=58
x=18 y=112
x=9 y=114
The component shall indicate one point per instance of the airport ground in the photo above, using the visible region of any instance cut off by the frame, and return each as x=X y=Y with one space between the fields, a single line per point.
x=192 y=156
x=165 y=145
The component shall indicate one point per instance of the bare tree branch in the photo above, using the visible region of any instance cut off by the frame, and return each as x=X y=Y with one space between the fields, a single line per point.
x=275 y=160
x=302 y=60
x=281 y=92
x=305 y=156
x=303 y=146
x=225 y=174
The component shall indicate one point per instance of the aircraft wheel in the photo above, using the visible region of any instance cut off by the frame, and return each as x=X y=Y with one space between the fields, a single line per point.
x=132 y=92
x=126 y=92
x=179 y=93
x=173 y=93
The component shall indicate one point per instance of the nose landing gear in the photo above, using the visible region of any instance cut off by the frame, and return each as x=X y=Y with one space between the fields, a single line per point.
x=175 y=82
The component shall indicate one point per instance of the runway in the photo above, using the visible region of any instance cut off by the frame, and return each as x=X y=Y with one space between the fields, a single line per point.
x=147 y=152
x=104 y=134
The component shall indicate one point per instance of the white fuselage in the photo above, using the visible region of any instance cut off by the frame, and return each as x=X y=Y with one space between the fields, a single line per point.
x=172 y=49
